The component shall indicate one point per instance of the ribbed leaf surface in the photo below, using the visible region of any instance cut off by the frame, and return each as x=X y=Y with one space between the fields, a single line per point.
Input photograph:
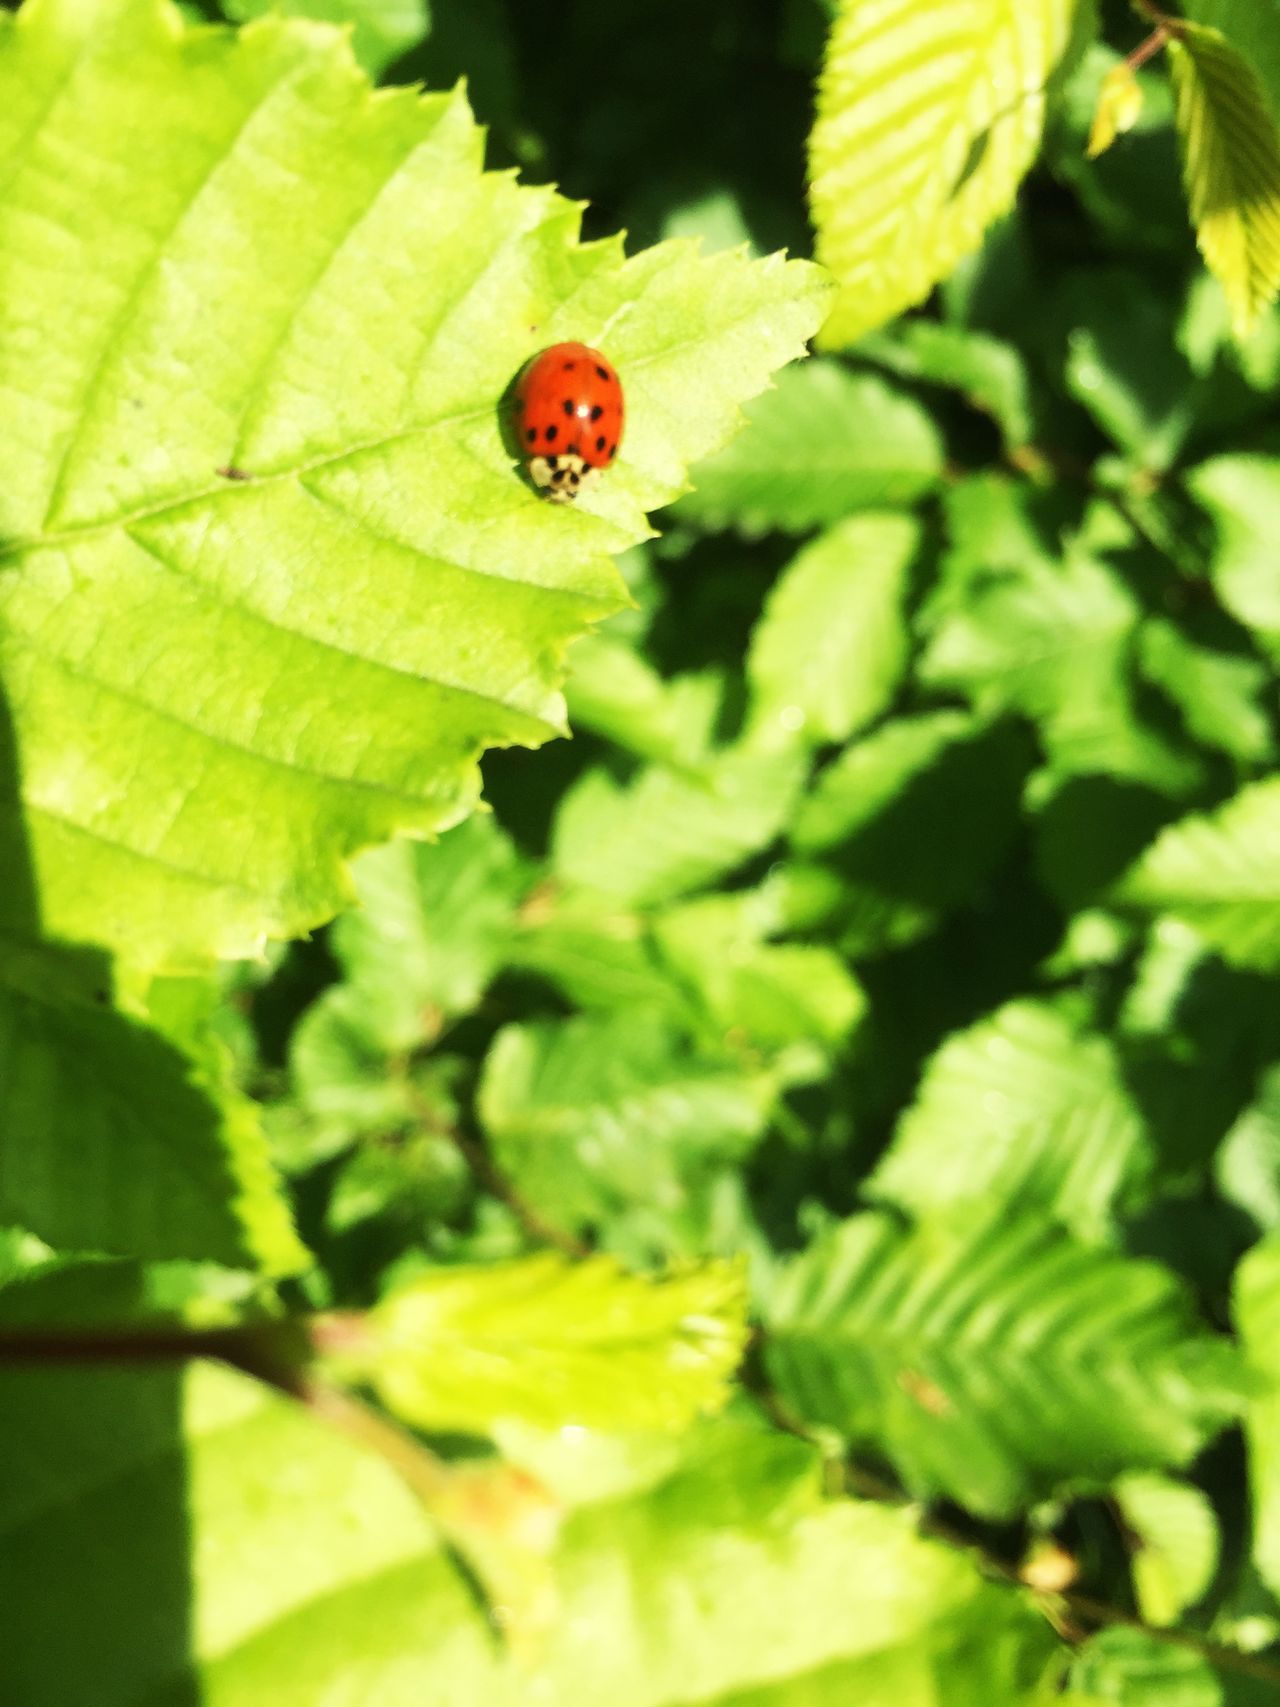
x=994 y=1359
x=1026 y=1109
x=1231 y=164
x=1220 y=871
x=929 y=113
x=271 y=579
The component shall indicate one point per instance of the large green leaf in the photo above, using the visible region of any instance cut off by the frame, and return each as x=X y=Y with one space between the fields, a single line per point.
x=992 y=1359
x=1231 y=164
x=928 y=117
x=1219 y=871
x=1027 y=1109
x=166 y=1539
x=231 y=257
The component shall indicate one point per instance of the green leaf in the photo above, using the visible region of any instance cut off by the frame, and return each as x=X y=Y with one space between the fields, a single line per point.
x=990 y=374
x=770 y=993
x=669 y=831
x=825 y=441
x=873 y=814
x=1122 y=364
x=1176 y=1535
x=1219 y=693
x=590 y=1116
x=277 y=1561
x=995 y=1359
x=1027 y=1110
x=1231 y=167
x=1053 y=640
x=221 y=688
x=831 y=646
x=1242 y=494
x=926 y=123
x=743 y=1588
x=1257 y=1313
x=618 y=694
x=1219 y=872
x=554 y=1343
x=1137 y=1670
x=1252 y=26
x=121 y=1139
x=430 y=929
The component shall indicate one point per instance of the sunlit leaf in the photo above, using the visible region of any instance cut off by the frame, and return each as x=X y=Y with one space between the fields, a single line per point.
x=928 y=117
x=1231 y=164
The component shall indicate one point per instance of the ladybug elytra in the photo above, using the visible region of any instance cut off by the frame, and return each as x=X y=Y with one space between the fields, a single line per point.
x=569 y=415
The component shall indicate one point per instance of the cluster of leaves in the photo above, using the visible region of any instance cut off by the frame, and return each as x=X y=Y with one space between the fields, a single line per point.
x=887 y=964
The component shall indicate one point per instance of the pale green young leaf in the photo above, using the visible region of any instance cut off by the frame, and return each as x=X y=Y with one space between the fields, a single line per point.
x=1119 y=108
x=670 y=830
x=1231 y=166
x=831 y=646
x=1257 y=1313
x=555 y=1343
x=825 y=441
x=221 y=688
x=928 y=117
x=993 y=1360
x=1219 y=871
x=1026 y=1109
x=1175 y=1544
x=591 y=1116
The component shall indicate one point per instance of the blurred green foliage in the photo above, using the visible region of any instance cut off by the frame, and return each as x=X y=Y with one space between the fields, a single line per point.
x=900 y=924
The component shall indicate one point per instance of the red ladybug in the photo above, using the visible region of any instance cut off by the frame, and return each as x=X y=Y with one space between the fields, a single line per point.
x=569 y=415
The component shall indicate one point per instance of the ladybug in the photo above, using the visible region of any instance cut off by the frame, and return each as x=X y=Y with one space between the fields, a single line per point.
x=569 y=415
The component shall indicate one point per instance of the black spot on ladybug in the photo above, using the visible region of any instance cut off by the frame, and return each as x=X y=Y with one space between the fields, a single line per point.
x=596 y=411
x=568 y=406
x=613 y=451
x=569 y=366
x=573 y=450
x=551 y=433
x=601 y=442
x=532 y=434
x=604 y=373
